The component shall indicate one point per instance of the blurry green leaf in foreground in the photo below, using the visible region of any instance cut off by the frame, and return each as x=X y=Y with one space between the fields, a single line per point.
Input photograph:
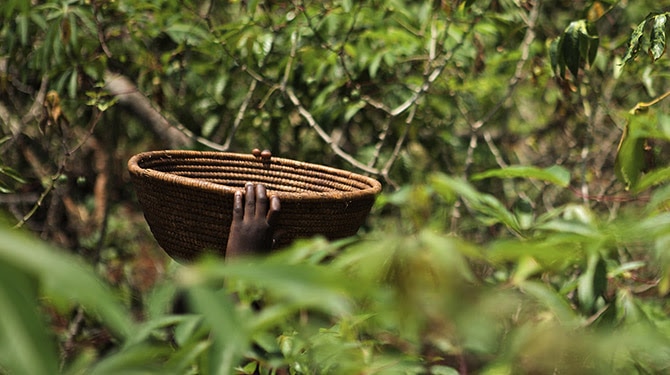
x=303 y=285
x=62 y=277
x=632 y=164
x=555 y=174
x=25 y=346
x=484 y=204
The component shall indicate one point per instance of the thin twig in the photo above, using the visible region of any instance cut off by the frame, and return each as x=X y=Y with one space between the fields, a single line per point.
x=645 y=105
x=94 y=121
x=100 y=33
x=72 y=331
x=40 y=200
x=240 y=115
x=247 y=99
x=494 y=150
x=511 y=87
x=398 y=147
x=324 y=136
x=380 y=144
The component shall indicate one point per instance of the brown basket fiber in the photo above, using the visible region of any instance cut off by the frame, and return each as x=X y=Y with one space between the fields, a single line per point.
x=187 y=197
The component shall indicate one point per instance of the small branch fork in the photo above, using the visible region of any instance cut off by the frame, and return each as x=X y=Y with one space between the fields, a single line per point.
x=528 y=39
x=434 y=67
x=430 y=76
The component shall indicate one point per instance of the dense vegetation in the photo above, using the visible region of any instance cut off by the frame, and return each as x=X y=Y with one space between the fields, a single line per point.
x=523 y=229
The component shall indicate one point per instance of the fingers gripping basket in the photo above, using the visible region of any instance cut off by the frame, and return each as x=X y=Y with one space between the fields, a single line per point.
x=187 y=197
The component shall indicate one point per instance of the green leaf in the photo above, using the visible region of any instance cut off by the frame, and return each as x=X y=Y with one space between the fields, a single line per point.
x=555 y=174
x=629 y=161
x=552 y=253
x=553 y=301
x=634 y=42
x=25 y=346
x=63 y=277
x=251 y=6
x=484 y=204
x=11 y=173
x=592 y=283
x=302 y=285
x=191 y=34
x=523 y=211
x=144 y=358
x=657 y=40
x=22 y=21
x=554 y=57
x=570 y=50
x=655 y=177
x=73 y=83
x=230 y=332
x=577 y=44
x=593 y=41
x=353 y=109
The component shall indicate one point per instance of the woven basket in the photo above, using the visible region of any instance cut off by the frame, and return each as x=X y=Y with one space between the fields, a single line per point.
x=187 y=197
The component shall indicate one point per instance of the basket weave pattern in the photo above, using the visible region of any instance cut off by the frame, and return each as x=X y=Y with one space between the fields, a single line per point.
x=187 y=197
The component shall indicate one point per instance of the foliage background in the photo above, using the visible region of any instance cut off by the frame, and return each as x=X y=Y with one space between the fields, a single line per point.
x=503 y=243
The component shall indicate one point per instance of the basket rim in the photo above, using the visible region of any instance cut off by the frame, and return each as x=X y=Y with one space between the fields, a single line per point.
x=374 y=186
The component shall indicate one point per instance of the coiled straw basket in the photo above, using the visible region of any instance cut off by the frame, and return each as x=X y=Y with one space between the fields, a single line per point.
x=187 y=197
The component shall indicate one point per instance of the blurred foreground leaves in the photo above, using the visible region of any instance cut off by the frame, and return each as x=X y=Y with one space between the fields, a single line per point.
x=573 y=293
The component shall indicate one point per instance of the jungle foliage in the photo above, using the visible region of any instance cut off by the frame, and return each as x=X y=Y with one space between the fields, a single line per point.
x=524 y=225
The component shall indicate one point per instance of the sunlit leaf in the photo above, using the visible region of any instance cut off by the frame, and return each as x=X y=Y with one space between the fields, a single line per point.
x=63 y=277
x=555 y=174
x=142 y=358
x=592 y=283
x=25 y=346
x=634 y=42
x=187 y=33
x=593 y=41
x=303 y=285
x=550 y=299
x=523 y=211
x=11 y=173
x=554 y=57
x=230 y=333
x=251 y=6
x=652 y=178
x=552 y=253
x=657 y=40
x=485 y=204
x=630 y=158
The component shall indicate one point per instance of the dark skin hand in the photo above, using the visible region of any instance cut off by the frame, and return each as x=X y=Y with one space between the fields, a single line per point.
x=254 y=218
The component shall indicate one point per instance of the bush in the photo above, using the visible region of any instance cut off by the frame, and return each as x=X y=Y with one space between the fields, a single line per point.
x=513 y=235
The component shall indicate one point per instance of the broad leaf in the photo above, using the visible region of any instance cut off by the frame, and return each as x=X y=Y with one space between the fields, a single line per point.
x=484 y=204
x=630 y=158
x=634 y=42
x=655 y=177
x=555 y=174
x=578 y=44
x=25 y=346
x=657 y=47
x=63 y=277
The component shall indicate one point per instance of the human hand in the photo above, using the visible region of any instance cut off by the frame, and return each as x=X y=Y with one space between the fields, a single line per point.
x=254 y=219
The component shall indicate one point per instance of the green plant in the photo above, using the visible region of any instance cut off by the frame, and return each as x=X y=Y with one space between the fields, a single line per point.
x=512 y=236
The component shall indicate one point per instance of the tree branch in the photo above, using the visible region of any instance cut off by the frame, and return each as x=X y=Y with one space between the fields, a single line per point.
x=130 y=97
x=322 y=133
